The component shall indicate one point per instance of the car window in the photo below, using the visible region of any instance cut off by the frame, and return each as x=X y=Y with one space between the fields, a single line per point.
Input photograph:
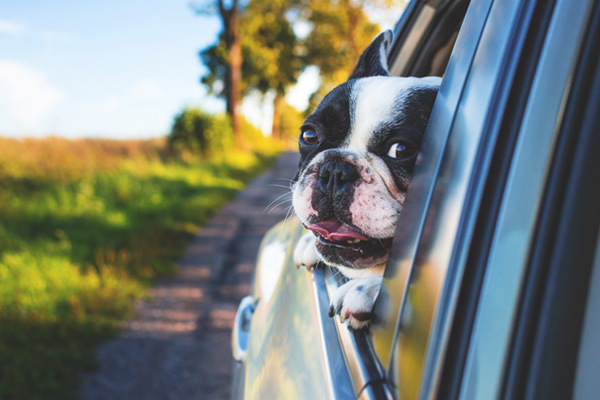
x=423 y=277
x=426 y=48
x=411 y=223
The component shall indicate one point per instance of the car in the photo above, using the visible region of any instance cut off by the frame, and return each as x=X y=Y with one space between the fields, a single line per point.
x=492 y=288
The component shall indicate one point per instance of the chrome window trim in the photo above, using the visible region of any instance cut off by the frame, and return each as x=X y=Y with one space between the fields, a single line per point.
x=507 y=262
x=335 y=360
x=356 y=347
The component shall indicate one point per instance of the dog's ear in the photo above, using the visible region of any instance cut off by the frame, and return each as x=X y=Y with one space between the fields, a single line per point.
x=373 y=61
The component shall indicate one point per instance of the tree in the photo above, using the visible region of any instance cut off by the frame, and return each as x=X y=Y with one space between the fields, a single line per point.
x=271 y=51
x=341 y=30
x=227 y=56
x=273 y=56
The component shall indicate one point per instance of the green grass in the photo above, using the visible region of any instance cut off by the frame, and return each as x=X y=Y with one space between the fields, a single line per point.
x=77 y=246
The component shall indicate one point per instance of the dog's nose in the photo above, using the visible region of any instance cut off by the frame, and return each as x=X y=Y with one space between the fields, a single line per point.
x=336 y=176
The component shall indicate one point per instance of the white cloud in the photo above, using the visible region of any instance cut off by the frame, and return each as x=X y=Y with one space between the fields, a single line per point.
x=25 y=96
x=11 y=27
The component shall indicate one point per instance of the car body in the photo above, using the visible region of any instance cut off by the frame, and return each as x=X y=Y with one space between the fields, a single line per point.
x=492 y=289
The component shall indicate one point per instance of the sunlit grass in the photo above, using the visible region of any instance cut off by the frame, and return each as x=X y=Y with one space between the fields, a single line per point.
x=85 y=227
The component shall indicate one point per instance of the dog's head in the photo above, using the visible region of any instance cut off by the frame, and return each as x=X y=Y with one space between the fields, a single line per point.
x=357 y=151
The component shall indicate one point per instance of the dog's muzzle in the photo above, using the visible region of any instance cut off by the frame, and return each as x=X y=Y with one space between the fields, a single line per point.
x=336 y=178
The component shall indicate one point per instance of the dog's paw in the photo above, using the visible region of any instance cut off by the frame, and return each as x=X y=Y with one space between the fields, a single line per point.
x=305 y=253
x=354 y=301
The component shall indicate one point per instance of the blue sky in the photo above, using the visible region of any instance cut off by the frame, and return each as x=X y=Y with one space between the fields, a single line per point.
x=105 y=69
x=119 y=69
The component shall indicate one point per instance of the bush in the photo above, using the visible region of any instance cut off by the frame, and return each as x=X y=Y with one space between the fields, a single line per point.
x=200 y=133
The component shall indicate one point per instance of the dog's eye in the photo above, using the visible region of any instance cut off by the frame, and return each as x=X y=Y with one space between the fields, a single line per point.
x=400 y=151
x=309 y=137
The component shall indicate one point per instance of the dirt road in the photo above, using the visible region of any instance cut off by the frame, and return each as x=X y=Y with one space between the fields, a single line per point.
x=179 y=345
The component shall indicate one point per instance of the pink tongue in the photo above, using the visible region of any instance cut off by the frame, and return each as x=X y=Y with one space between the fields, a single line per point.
x=336 y=231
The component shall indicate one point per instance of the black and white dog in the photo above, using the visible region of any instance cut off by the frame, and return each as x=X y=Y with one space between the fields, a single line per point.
x=358 y=150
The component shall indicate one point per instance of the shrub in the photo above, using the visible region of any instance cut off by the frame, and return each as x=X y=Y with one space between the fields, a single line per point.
x=200 y=133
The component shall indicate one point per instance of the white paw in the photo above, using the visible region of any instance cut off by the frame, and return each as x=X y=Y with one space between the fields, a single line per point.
x=305 y=253
x=354 y=300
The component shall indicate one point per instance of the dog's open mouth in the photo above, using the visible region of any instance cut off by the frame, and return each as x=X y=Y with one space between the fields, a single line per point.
x=335 y=233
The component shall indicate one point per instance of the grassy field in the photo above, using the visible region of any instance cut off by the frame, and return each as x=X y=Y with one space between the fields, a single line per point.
x=85 y=227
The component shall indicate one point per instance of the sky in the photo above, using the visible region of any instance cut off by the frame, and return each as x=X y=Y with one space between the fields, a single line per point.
x=118 y=69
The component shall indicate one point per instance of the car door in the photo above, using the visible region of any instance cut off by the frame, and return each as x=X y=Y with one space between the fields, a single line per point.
x=284 y=343
x=456 y=280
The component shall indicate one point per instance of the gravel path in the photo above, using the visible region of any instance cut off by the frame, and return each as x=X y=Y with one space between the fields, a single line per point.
x=179 y=345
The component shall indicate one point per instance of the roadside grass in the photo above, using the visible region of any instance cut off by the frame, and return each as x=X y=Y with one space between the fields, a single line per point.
x=85 y=228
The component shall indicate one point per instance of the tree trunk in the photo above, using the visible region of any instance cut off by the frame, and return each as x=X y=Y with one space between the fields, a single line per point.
x=235 y=80
x=277 y=109
x=234 y=69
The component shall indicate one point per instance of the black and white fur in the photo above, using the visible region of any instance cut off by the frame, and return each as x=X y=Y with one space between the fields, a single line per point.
x=358 y=149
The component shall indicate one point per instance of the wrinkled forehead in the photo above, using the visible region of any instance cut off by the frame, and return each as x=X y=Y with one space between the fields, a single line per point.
x=352 y=113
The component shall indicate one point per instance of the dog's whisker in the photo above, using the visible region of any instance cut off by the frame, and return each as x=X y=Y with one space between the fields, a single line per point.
x=279 y=186
x=290 y=213
x=278 y=205
x=277 y=199
x=275 y=207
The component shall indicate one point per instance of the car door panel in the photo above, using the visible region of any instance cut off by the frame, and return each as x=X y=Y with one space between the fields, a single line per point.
x=517 y=219
x=293 y=348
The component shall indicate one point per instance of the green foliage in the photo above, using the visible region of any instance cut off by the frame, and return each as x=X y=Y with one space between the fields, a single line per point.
x=200 y=133
x=274 y=56
x=216 y=60
x=270 y=46
x=80 y=241
x=341 y=30
x=270 y=58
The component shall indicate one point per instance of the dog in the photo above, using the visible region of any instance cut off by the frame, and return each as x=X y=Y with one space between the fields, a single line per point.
x=357 y=152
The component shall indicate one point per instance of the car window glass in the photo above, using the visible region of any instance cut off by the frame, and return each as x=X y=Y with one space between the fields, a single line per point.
x=410 y=223
x=431 y=216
